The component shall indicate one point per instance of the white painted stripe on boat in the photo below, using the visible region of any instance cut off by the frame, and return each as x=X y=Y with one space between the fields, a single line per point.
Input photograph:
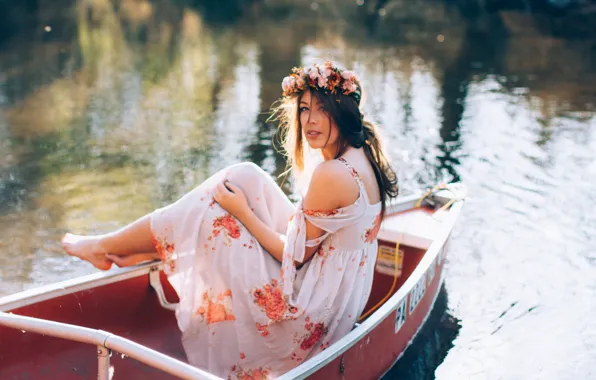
x=58 y=289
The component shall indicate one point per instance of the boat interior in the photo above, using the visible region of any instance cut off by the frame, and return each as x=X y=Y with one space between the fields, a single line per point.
x=130 y=308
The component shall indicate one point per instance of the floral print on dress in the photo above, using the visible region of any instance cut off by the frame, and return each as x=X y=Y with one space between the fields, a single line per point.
x=262 y=329
x=166 y=251
x=325 y=252
x=228 y=225
x=363 y=261
x=273 y=302
x=370 y=235
x=239 y=373
x=293 y=311
x=216 y=309
x=314 y=333
x=322 y=213
x=353 y=171
x=250 y=244
x=324 y=346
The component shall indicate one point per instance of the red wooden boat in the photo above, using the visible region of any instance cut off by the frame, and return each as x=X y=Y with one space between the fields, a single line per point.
x=60 y=331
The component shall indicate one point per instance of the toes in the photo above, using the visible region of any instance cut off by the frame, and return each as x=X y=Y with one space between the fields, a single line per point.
x=68 y=238
x=68 y=243
x=65 y=242
x=83 y=248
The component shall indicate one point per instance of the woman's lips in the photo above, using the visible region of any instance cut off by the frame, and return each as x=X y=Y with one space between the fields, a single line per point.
x=312 y=134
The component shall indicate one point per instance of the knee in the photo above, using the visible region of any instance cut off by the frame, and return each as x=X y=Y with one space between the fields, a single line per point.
x=245 y=173
x=247 y=166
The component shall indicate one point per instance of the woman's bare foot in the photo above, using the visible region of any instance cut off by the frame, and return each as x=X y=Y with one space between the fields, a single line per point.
x=87 y=248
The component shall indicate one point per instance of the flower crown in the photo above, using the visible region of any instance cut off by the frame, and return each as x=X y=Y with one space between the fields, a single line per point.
x=326 y=77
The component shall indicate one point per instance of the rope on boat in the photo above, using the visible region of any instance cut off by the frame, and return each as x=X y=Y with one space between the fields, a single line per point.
x=445 y=206
x=428 y=192
x=418 y=203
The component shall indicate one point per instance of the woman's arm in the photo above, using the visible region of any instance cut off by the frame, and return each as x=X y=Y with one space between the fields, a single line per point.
x=331 y=187
x=322 y=194
x=271 y=240
x=232 y=199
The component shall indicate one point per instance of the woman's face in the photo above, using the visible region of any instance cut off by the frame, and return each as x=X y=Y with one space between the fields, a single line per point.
x=317 y=125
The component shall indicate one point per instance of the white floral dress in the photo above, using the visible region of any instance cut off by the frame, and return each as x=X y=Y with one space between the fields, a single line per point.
x=242 y=314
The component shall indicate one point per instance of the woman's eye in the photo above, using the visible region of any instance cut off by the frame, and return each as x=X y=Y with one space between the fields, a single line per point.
x=302 y=109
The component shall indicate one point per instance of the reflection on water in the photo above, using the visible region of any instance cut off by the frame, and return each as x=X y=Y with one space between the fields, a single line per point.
x=109 y=109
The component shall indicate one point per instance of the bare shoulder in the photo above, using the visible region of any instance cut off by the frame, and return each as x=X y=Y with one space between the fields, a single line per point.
x=334 y=173
x=331 y=186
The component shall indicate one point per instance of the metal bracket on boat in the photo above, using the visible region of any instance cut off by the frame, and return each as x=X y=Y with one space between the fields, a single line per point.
x=157 y=286
x=103 y=363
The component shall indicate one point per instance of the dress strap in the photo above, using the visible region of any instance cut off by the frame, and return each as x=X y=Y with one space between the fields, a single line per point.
x=356 y=176
x=353 y=172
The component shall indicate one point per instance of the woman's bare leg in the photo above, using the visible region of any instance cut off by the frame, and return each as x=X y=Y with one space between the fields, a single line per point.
x=136 y=238
x=132 y=239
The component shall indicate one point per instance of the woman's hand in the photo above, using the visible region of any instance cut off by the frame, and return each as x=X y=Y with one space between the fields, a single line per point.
x=231 y=198
x=128 y=260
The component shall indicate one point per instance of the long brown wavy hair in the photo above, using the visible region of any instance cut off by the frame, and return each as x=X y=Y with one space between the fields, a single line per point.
x=354 y=131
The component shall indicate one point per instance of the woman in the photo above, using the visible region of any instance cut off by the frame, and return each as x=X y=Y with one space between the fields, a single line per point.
x=264 y=284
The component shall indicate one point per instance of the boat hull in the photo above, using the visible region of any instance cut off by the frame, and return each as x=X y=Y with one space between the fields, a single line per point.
x=125 y=304
x=128 y=308
x=378 y=350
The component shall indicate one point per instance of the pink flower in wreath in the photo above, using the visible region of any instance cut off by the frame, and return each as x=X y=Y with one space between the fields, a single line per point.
x=322 y=81
x=348 y=75
x=288 y=84
x=349 y=87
